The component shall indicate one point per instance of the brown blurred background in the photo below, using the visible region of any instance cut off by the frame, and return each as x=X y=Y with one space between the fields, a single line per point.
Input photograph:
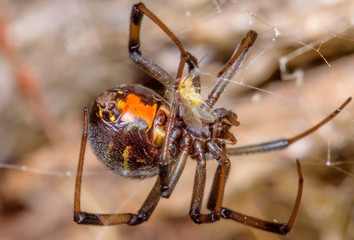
x=56 y=56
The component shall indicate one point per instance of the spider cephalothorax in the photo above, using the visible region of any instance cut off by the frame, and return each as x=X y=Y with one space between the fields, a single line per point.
x=138 y=133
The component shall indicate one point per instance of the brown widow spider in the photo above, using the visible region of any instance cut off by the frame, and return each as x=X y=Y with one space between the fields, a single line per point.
x=139 y=134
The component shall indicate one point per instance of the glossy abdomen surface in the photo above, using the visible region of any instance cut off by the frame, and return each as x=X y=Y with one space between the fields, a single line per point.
x=126 y=125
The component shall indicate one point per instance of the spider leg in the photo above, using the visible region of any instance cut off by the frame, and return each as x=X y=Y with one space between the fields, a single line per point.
x=281 y=228
x=138 y=11
x=137 y=14
x=164 y=164
x=91 y=218
x=148 y=206
x=135 y=22
x=109 y=219
x=217 y=192
x=124 y=218
x=230 y=69
x=283 y=143
x=199 y=185
x=179 y=166
x=219 y=182
x=154 y=70
x=146 y=63
x=142 y=61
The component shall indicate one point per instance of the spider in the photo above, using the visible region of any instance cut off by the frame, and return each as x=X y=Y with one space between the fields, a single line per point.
x=138 y=134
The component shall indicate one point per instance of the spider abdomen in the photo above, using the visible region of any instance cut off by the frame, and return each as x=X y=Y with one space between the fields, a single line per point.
x=126 y=130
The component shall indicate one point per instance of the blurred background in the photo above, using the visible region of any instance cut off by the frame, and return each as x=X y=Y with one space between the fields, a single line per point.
x=57 y=56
